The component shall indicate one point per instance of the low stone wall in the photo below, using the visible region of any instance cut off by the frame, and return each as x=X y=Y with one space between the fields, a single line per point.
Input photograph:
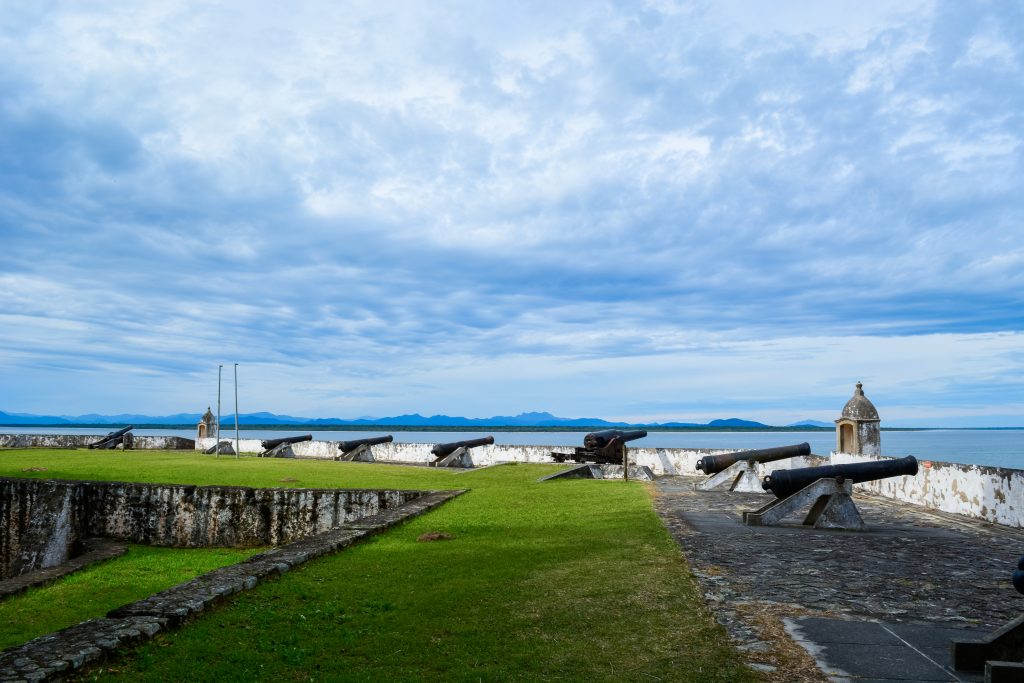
x=42 y=520
x=989 y=493
x=83 y=440
x=993 y=494
x=660 y=460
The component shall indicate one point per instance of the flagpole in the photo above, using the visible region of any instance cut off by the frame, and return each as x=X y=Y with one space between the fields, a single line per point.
x=220 y=368
x=236 y=411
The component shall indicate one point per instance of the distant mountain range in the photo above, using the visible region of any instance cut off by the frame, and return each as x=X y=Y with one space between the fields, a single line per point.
x=813 y=423
x=413 y=420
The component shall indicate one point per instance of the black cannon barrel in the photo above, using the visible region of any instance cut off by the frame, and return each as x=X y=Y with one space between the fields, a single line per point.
x=443 y=449
x=784 y=483
x=347 y=446
x=713 y=464
x=606 y=436
x=112 y=436
x=274 y=443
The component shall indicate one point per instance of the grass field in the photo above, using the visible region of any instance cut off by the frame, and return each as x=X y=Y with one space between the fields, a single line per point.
x=561 y=581
x=95 y=590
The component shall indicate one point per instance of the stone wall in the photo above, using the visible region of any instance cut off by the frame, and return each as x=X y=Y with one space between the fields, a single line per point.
x=660 y=460
x=989 y=493
x=83 y=440
x=42 y=520
x=993 y=494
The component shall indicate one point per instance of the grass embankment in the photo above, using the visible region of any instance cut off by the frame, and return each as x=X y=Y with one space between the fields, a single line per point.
x=566 y=580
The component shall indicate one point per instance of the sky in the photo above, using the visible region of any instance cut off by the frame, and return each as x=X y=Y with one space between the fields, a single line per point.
x=646 y=211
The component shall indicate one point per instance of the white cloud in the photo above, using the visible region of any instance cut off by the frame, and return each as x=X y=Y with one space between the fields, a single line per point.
x=588 y=190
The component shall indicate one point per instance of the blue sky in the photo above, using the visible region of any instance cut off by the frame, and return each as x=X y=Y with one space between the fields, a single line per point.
x=635 y=210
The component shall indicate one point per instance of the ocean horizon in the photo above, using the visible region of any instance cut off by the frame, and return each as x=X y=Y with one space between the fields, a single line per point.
x=994 y=447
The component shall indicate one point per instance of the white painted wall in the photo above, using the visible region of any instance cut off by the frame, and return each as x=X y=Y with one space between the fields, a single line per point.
x=993 y=494
x=661 y=460
x=989 y=493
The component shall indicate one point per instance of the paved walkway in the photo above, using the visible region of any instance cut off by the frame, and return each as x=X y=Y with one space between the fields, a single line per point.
x=814 y=605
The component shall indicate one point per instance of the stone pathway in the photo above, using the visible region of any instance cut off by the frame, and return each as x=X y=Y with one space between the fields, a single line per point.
x=912 y=567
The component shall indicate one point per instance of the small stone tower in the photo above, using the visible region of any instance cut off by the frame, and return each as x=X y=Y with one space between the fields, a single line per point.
x=857 y=429
x=207 y=427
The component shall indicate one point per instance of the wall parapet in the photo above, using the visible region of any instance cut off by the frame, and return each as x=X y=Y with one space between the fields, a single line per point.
x=82 y=440
x=992 y=494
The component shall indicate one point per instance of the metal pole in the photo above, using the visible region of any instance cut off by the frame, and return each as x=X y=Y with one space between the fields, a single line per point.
x=220 y=368
x=236 y=411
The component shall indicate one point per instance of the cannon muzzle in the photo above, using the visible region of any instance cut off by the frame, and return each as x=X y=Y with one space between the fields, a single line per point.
x=784 y=483
x=443 y=449
x=274 y=443
x=713 y=464
x=347 y=446
x=596 y=440
x=112 y=439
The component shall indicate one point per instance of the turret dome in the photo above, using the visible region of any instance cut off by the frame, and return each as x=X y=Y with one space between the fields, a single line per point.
x=859 y=407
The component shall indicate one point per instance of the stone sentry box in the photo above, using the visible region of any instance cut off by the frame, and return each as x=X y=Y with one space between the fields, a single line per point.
x=858 y=429
x=43 y=521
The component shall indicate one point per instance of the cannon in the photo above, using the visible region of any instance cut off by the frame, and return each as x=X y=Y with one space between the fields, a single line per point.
x=356 y=443
x=827 y=490
x=602 y=439
x=272 y=447
x=359 y=449
x=739 y=470
x=443 y=449
x=274 y=443
x=605 y=447
x=456 y=453
x=112 y=439
x=784 y=483
x=713 y=464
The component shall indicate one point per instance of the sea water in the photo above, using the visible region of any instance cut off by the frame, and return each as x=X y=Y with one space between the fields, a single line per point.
x=995 y=447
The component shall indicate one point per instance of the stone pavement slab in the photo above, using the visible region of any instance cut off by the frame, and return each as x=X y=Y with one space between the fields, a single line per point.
x=920 y=573
x=858 y=650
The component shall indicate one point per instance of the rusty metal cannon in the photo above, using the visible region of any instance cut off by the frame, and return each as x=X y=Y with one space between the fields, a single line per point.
x=356 y=443
x=112 y=439
x=359 y=449
x=784 y=483
x=456 y=453
x=828 y=490
x=606 y=437
x=606 y=447
x=273 y=447
x=713 y=464
x=739 y=470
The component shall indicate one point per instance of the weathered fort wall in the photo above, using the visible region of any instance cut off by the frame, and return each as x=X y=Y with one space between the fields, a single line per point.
x=992 y=494
x=660 y=460
x=989 y=493
x=43 y=520
x=83 y=440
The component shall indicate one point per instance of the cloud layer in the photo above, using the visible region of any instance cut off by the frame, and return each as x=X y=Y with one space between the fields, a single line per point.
x=633 y=209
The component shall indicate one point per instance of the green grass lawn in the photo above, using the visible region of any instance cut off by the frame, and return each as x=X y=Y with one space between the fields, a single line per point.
x=95 y=590
x=565 y=580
